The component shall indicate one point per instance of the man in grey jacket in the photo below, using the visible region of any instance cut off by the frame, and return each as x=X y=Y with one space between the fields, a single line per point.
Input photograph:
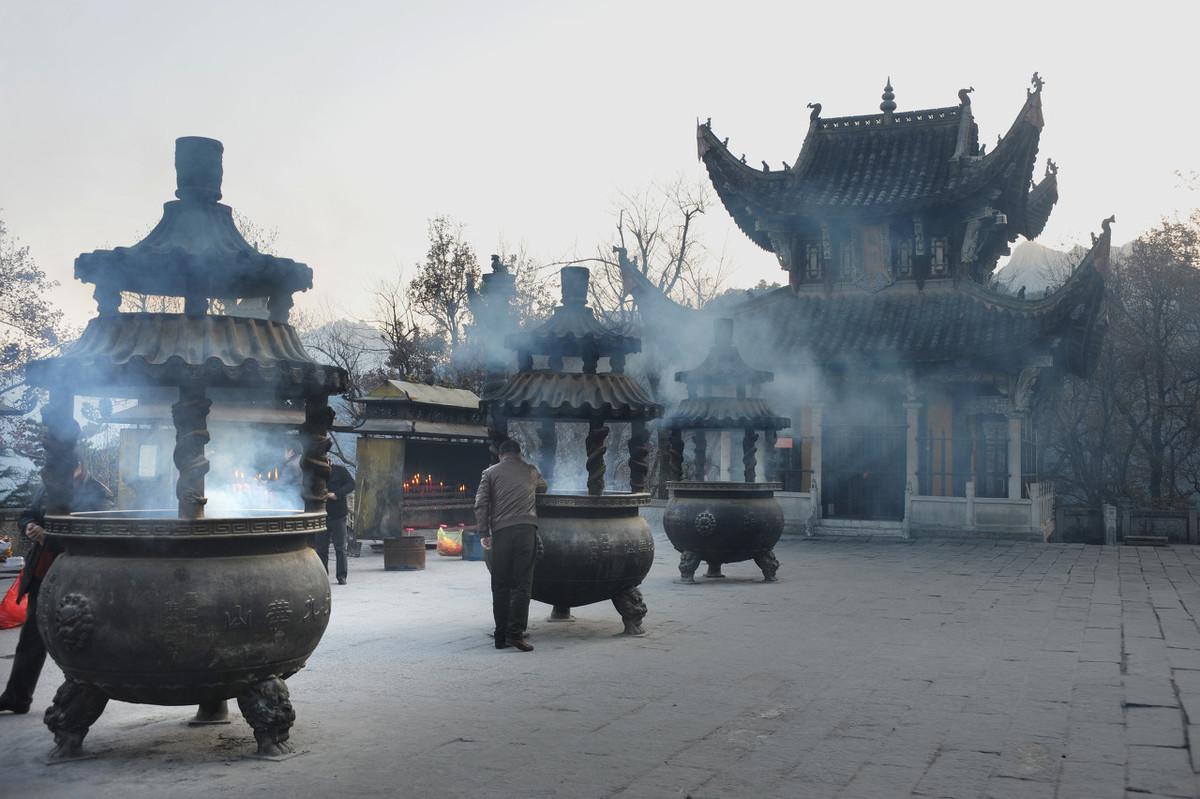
x=506 y=515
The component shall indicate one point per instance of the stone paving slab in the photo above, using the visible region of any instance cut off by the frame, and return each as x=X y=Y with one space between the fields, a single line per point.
x=927 y=669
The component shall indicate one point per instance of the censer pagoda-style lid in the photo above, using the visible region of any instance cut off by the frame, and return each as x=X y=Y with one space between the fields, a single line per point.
x=573 y=329
x=723 y=366
x=194 y=252
x=554 y=393
x=724 y=369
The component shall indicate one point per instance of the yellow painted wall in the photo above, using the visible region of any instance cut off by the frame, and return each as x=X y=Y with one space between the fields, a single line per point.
x=380 y=487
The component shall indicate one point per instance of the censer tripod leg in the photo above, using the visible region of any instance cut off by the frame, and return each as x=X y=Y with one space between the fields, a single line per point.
x=75 y=709
x=688 y=563
x=632 y=607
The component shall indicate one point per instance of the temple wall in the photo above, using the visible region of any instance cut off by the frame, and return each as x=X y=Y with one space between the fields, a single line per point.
x=964 y=514
x=948 y=512
x=1003 y=513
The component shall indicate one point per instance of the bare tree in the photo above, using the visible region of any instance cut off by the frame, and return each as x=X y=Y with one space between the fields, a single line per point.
x=354 y=346
x=1156 y=309
x=1133 y=429
x=412 y=351
x=658 y=227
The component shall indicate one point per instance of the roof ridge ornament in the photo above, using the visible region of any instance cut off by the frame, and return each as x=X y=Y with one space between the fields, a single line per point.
x=1037 y=82
x=1106 y=227
x=1051 y=168
x=816 y=112
x=888 y=106
x=964 y=98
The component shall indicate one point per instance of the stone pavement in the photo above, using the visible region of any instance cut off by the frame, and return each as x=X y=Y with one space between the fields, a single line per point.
x=931 y=669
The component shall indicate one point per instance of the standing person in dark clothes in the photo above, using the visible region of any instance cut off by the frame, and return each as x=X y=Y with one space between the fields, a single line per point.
x=506 y=516
x=340 y=486
x=89 y=495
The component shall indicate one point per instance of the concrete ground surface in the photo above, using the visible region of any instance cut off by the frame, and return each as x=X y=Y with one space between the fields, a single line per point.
x=932 y=669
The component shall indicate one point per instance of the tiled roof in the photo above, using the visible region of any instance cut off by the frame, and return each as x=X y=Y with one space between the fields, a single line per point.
x=904 y=325
x=166 y=349
x=571 y=395
x=878 y=164
x=884 y=163
x=967 y=323
x=724 y=413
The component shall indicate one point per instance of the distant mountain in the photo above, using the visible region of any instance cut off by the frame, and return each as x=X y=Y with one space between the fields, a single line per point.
x=1037 y=267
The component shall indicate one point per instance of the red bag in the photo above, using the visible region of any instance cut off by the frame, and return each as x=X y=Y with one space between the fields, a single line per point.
x=12 y=612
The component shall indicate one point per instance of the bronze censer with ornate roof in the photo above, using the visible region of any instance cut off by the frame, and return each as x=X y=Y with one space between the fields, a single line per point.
x=171 y=607
x=722 y=521
x=592 y=546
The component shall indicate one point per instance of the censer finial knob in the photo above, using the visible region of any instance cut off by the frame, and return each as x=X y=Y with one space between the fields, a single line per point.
x=198 y=168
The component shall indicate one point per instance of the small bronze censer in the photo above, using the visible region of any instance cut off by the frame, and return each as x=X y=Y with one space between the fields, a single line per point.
x=722 y=521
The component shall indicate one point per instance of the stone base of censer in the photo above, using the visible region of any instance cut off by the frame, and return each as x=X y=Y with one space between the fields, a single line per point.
x=156 y=610
x=724 y=522
x=592 y=549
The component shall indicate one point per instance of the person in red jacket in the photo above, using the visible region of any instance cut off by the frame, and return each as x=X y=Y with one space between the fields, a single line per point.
x=89 y=495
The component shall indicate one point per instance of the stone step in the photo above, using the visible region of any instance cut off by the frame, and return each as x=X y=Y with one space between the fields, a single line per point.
x=1145 y=541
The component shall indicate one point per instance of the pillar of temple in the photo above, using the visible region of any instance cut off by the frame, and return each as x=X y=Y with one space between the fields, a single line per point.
x=912 y=447
x=1014 y=456
x=817 y=478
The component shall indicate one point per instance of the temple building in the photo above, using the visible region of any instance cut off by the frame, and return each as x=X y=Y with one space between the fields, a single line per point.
x=913 y=381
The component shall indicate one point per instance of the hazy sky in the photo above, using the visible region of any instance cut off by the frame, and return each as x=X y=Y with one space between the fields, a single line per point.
x=348 y=124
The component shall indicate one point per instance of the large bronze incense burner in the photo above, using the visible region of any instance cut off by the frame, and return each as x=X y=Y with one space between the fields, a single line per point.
x=170 y=607
x=722 y=522
x=593 y=546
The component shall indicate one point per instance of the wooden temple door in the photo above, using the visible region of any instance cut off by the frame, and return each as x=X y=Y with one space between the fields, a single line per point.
x=863 y=464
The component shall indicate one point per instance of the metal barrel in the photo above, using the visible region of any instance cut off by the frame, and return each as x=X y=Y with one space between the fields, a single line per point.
x=405 y=553
x=472 y=546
